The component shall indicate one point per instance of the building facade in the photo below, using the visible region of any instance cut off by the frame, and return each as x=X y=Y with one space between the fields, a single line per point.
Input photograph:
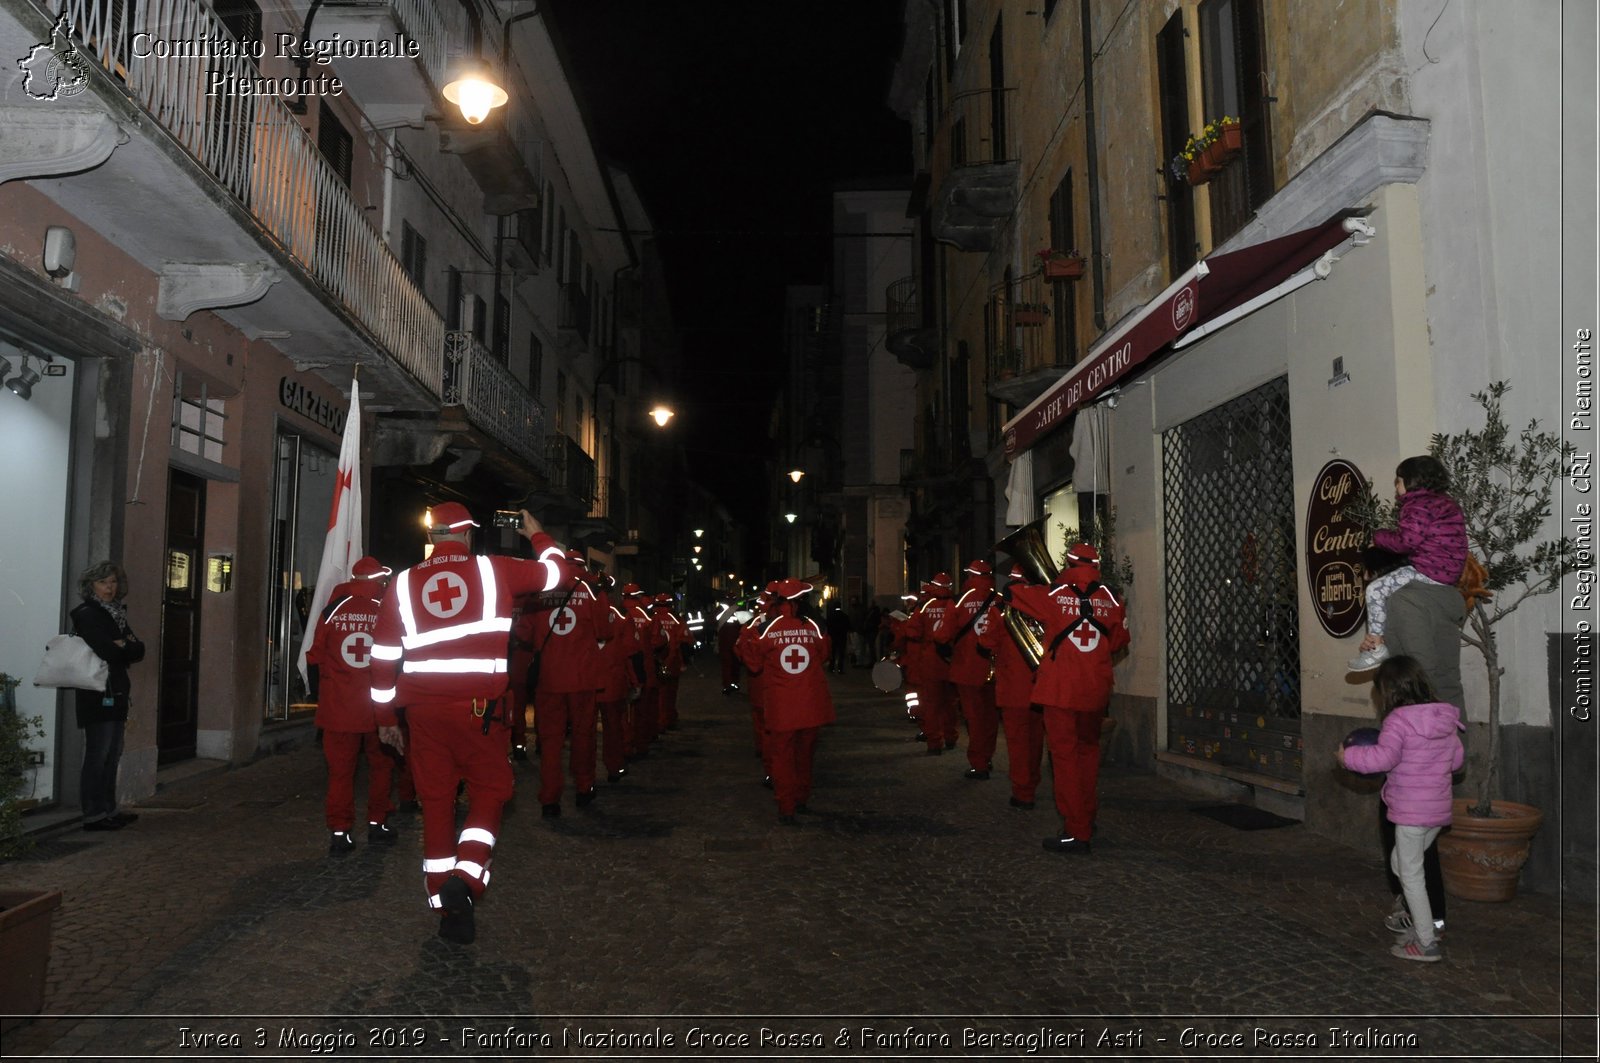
x=1194 y=347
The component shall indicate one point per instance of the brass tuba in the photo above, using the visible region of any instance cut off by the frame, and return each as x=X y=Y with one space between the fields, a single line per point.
x=1026 y=546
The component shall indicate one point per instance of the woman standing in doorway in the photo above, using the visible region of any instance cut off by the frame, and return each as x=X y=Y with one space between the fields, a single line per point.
x=102 y=622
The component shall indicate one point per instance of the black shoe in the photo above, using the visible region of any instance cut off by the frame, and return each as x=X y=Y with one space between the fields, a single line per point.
x=617 y=776
x=122 y=819
x=108 y=823
x=550 y=811
x=975 y=773
x=341 y=843
x=920 y=737
x=949 y=745
x=519 y=752
x=767 y=782
x=586 y=799
x=788 y=821
x=1066 y=844
x=1020 y=805
x=381 y=834
x=458 y=924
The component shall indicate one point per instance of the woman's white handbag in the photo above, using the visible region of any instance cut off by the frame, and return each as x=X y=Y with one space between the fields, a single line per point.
x=69 y=662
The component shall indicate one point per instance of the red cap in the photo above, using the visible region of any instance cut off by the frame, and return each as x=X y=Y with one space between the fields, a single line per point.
x=661 y=599
x=370 y=568
x=578 y=556
x=792 y=589
x=941 y=579
x=1084 y=554
x=631 y=590
x=452 y=517
x=771 y=587
x=978 y=568
x=1016 y=571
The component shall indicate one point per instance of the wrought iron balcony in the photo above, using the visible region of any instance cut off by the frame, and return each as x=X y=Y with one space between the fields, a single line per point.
x=571 y=470
x=911 y=341
x=1028 y=344
x=975 y=169
x=255 y=149
x=495 y=402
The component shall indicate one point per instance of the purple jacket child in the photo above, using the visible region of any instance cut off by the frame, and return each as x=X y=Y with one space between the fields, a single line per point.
x=1432 y=535
x=1419 y=748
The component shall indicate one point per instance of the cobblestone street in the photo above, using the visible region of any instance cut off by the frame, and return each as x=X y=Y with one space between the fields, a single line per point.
x=676 y=917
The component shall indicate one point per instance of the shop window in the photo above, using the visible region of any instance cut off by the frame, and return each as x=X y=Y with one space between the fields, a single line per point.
x=1173 y=76
x=1233 y=58
x=199 y=422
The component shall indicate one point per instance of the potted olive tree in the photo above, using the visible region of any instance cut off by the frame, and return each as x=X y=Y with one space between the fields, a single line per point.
x=26 y=915
x=1504 y=481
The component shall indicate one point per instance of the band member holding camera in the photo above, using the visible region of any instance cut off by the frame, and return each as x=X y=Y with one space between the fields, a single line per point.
x=440 y=650
x=341 y=653
x=961 y=629
x=568 y=626
x=1022 y=720
x=1083 y=628
x=790 y=652
x=927 y=665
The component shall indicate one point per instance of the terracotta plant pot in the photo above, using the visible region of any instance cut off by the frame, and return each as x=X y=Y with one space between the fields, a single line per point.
x=26 y=917
x=1482 y=856
x=1202 y=169
x=1063 y=269
x=1231 y=138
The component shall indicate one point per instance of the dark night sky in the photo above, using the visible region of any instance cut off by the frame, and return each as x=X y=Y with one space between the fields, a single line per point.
x=734 y=118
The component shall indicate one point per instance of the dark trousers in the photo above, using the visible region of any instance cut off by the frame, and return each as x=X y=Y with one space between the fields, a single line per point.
x=1432 y=877
x=102 y=751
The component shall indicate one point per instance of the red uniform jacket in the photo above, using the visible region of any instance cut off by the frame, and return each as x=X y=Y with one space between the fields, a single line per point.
x=445 y=625
x=1013 y=676
x=914 y=638
x=567 y=629
x=742 y=646
x=617 y=676
x=790 y=655
x=342 y=652
x=650 y=639
x=1077 y=675
x=969 y=667
x=674 y=634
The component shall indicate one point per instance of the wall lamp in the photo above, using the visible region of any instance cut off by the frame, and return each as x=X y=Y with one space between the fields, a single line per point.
x=661 y=415
x=21 y=385
x=791 y=517
x=797 y=475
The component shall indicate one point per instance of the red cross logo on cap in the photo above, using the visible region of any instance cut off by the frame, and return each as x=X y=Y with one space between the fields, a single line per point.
x=563 y=620
x=356 y=649
x=1086 y=637
x=794 y=659
x=444 y=595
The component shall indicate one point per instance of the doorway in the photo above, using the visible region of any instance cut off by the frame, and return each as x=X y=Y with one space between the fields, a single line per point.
x=177 y=720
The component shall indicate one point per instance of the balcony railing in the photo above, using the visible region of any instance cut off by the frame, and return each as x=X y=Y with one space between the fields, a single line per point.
x=571 y=471
x=494 y=400
x=977 y=131
x=256 y=149
x=902 y=305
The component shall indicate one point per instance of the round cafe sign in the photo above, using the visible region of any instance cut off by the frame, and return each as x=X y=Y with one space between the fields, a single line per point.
x=1333 y=550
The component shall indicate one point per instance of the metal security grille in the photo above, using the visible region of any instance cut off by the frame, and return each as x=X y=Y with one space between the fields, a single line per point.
x=1233 y=658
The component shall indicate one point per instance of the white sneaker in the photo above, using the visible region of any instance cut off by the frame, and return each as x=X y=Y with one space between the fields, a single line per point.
x=1367 y=660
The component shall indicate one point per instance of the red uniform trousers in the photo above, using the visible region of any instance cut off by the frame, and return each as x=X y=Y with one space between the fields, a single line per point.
x=646 y=712
x=1074 y=736
x=789 y=756
x=1024 y=748
x=669 y=703
x=613 y=750
x=937 y=702
x=341 y=749
x=447 y=746
x=554 y=713
x=983 y=723
x=730 y=662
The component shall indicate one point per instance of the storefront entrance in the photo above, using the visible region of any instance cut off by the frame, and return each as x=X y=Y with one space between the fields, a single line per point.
x=301 y=499
x=178 y=715
x=1233 y=657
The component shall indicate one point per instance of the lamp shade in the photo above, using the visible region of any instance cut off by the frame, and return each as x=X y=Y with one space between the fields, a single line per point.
x=475 y=91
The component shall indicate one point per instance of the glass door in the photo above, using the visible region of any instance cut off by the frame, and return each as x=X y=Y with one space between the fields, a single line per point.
x=302 y=496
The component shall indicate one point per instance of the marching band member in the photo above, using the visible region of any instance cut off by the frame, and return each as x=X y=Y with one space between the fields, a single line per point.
x=440 y=650
x=674 y=635
x=1023 y=721
x=790 y=654
x=619 y=680
x=568 y=628
x=646 y=710
x=961 y=628
x=1083 y=628
x=927 y=669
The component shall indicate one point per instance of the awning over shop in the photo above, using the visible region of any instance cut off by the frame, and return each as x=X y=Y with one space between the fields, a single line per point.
x=1210 y=289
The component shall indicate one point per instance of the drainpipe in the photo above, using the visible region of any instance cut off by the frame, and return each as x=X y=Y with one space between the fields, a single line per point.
x=1090 y=135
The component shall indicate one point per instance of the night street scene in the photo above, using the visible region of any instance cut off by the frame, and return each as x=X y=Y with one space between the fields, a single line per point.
x=857 y=529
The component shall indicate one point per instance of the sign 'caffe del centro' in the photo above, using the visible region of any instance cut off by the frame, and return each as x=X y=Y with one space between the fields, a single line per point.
x=1333 y=549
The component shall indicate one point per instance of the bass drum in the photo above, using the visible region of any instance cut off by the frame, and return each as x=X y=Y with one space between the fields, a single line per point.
x=887 y=676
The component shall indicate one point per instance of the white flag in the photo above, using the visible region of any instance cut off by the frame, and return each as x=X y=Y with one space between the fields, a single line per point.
x=342 y=549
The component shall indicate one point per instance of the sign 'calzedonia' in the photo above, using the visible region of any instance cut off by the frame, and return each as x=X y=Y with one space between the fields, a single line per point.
x=1333 y=549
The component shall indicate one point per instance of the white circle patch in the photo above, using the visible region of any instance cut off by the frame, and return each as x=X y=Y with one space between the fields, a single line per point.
x=1085 y=637
x=356 y=649
x=444 y=595
x=980 y=625
x=563 y=620
x=794 y=659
